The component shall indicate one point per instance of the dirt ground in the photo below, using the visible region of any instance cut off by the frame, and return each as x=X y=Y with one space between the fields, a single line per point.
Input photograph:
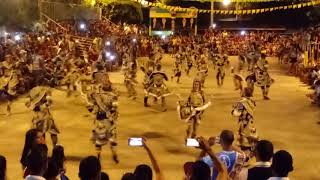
x=288 y=120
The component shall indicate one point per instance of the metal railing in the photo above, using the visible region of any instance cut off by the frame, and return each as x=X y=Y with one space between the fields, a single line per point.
x=48 y=19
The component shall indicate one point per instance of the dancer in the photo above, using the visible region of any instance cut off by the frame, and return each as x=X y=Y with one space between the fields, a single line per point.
x=129 y=79
x=105 y=108
x=192 y=110
x=157 y=88
x=244 y=110
x=262 y=77
x=221 y=64
x=40 y=102
x=177 y=71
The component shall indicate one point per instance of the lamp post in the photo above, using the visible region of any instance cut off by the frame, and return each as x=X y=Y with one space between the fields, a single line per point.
x=212 y=14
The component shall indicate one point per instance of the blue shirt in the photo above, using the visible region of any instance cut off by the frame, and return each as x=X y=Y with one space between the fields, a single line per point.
x=229 y=158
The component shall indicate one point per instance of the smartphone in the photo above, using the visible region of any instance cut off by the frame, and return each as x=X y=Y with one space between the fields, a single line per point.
x=192 y=142
x=134 y=141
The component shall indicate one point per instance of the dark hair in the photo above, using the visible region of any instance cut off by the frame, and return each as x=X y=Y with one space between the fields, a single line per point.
x=89 y=168
x=58 y=156
x=264 y=150
x=104 y=176
x=37 y=159
x=29 y=142
x=3 y=167
x=282 y=163
x=143 y=172
x=52 y=170
x=200 y=171
x=128 y=176
x=227 y=137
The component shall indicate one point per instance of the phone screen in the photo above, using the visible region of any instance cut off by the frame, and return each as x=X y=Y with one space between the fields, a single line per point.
x=192 y=143
x=135 y=142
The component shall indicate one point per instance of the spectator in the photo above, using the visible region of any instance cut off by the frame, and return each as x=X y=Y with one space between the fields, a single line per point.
x=144 y=172
x=37 y=162
x=90 y=168
x=231 y=156
x=33 y=137
x=202 y=172
x=3 y=167
x=187 y=167
x=104 y=176
x=128 y=176
x=281 y=165
x=59 y=158
x=263 y=154
x=52 y=171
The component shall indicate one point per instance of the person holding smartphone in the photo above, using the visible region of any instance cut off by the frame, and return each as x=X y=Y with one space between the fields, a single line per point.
x=231 y=156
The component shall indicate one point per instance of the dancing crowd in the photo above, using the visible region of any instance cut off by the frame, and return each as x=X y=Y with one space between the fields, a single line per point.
x=33 y=63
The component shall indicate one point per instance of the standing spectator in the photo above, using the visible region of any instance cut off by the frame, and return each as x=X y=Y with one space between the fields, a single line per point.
x=33 y=137
x=37 y=162
x=281 y=165
x=3 y=168
x=262 y=169
x=104 y=176
x=144 y=172
x=231 y=156
x=201 y=170
x=128 y=176
x=52 y=172
x=90 y=168
x=59 y=158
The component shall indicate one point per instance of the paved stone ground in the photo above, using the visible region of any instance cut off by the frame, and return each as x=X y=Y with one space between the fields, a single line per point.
x=288 y=120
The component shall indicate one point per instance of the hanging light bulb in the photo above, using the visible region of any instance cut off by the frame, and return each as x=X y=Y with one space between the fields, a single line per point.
x=226 y=2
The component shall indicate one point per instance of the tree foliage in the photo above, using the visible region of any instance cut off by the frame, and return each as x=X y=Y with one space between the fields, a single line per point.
x=119 y=10
x=22 y=13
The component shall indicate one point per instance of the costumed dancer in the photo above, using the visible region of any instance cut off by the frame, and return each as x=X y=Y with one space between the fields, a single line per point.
x=244 y=110
x=202 y=71
x=105 y=108
x=40 y=102
x=157 y=88
x=261 y=77
x=221 y=64
x=9 y=81
x=192 y=110
x=177 y=71
x=130 y=81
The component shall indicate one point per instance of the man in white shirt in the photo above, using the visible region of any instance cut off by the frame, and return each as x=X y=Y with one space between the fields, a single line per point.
x=281 y=165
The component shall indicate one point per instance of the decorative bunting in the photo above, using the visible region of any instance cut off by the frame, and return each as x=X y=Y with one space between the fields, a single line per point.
x=228 y=12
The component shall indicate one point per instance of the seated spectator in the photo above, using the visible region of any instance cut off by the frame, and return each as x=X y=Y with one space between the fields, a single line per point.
x=281 y=165
x=231 y=156
x=144 y=172
x=128 y=176
x=262 y=169
x=3 y=168
x=90 y=168
x=33 y=137
x=59 y=158
x=37 y=162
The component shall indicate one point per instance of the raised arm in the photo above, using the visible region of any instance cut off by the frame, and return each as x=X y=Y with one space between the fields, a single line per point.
x=155 y=165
